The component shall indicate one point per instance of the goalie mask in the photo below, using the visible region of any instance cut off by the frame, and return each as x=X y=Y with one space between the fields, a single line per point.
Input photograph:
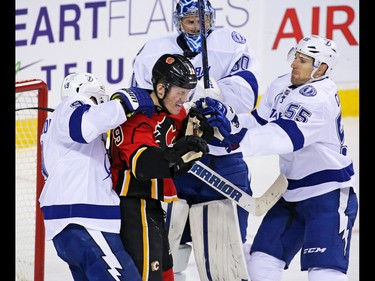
x=322 y=50
x=186 y=8
x=84 y=84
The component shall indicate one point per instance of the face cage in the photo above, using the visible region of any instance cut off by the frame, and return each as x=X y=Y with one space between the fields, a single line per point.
x=194 y=41
x=177 y=18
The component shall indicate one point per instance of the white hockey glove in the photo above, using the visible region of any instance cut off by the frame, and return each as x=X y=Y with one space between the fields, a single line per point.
x=228 y=131
x=135 y=100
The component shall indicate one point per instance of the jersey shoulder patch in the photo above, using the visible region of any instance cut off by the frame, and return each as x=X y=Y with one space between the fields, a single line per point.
x=238 y=38
x=308 y=91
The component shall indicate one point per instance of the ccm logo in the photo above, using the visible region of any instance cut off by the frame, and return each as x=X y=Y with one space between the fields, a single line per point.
x=314 y=250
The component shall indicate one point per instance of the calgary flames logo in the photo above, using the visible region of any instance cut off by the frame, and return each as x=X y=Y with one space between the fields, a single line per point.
x=169 y=60
x=165 y=132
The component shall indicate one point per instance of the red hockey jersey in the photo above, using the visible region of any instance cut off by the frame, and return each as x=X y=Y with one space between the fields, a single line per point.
x=138 y=166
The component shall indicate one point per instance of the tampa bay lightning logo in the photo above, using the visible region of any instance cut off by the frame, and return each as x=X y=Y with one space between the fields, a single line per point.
x=238 y=38
x=308 y=91
x=107 y=166
x=327 y=42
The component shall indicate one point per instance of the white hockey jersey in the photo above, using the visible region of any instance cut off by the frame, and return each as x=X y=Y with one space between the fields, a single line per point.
x=232 y=64
x=78 y=183
x=305 y=128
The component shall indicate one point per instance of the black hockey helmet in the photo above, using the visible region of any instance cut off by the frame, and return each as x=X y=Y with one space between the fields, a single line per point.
x=174 y=69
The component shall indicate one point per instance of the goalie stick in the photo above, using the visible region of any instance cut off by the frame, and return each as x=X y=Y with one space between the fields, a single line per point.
x=205 y=67
x=254 y=205
x=203 y=34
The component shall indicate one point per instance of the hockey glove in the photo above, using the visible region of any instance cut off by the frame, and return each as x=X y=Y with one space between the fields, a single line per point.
x=197 y=125
x=228 y=131
x=184 y=152
x=135 y=100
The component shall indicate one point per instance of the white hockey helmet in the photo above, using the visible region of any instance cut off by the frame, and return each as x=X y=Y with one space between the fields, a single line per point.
x=84 y=84
x=322 y=50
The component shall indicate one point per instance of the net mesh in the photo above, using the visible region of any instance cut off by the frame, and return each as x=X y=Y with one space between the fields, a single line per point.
x=26 y=155
x=29 y=248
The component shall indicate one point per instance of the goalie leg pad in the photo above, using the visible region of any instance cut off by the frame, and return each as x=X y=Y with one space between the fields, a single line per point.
x=217 y=242
x=181 y=262
x=177 y=214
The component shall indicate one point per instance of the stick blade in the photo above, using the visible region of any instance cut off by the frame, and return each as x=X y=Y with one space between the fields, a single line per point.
x=271 y=196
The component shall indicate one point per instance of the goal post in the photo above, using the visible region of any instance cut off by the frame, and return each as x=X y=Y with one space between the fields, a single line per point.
x=30 y=236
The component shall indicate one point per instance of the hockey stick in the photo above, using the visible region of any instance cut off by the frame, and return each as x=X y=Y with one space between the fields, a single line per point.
x=38 y=108
x=206 y=76
x=254 y=205
x=203 y=33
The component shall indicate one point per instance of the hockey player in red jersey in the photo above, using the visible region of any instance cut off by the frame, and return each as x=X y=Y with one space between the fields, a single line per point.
x=146 y=154
x=233 y=78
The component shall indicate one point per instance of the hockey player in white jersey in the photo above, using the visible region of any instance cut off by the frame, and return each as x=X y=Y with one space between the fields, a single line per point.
x=233 y=72
x=299 y=118
x=81 y=209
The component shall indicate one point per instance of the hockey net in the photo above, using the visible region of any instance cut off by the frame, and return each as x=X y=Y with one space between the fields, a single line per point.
x=30 y=244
